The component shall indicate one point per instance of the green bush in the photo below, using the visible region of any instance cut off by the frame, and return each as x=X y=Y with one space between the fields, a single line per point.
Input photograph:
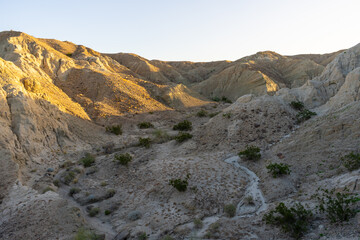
x=338 y=206
x=351 y=161
x=116 y=129
x=145 y=125
x=278 y=169
x=145 y=142
x=179 y=184
x=225 y=100
x=88 y=160
x=249 y=200
x=48 y=189
x=56 y=183
x=297 y=105
x=67 y=164
x=227 y=115
x=212 y=230
x=110 y=193
x=251 y=153
x=74 y=191
x=142 y=236
x=69 y=177
x=211 y=115
x=123 y=159
x=198 y=223
x=84 y=234
x=69 y=54
x=93 y=212
x=293 y=220
x=160 y=135
x=222 y=99
x=216 y=99
x=107 y=212
x=230 y=210
x=183 y=126
x=167 y=237
x=202 y=113
x=182 y=136
x=304 y=115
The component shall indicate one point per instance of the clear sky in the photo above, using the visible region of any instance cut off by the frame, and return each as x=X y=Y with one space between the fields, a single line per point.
x=194 y=30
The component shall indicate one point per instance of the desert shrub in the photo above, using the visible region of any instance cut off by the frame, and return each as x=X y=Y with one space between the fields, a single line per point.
x=108 y=147
x=107 y=212
x=227 y=115
x=69 y=54
x=251 y=153
x=84 y=234
x=293 y=220
x=249 y=200
x=216 y=99
x=67 y=164
x=48 y=189
x=116 y=129
x=225 y=100
x=74 y=191
x=202 y=113
x=93 y=212
x=213 y=114
x=304 y=115
x=123 y=159
x=182 y=136
x=222 y=99
x=69 y=177
x=145 y=142
x=297 y=105
x=110 y=193
x=351 y=161
x=180 y=184
x=212 y=230
x=161 y=135
x=167 y=237
x=56 y=183
x=87 y=160
x=278 y=169
x=230 y=210
x=338 y=206
x=145 y=125
x=198 y=223
x=183 y=126
x=142 y=236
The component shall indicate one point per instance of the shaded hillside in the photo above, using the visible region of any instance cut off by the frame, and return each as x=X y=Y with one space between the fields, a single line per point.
x=261 y=73
x=264 y=72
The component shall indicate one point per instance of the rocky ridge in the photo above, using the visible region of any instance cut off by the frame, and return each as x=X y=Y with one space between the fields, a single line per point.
x=57 y=98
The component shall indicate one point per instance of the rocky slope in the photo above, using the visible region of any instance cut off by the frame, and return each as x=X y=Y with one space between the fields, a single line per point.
x=56 y=97
x=264 y=72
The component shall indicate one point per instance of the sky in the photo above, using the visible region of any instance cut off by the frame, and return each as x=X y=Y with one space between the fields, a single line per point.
x=193 y=30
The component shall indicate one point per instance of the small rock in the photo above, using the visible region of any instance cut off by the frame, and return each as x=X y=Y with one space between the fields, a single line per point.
x=50 y=170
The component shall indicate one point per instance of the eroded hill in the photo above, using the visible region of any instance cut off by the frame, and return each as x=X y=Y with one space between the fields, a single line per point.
x=64 y=175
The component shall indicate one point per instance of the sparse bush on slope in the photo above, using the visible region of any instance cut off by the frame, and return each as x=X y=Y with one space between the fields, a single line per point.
x=180 y=184
x=251 y=153
x=338 y=206
x=116 y=129
x=351 y=161
x=278 y=169
x=293 y=220
x=183 y=126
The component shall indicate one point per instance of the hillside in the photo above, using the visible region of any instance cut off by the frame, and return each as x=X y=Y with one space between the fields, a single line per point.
x=66 y=171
